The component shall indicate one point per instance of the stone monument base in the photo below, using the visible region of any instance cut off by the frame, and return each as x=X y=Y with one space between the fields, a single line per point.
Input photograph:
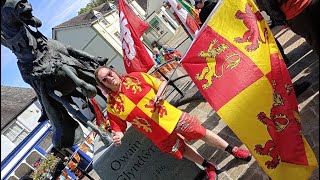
x=138 y=158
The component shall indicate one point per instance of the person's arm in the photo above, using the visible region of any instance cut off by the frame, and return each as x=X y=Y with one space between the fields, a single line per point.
x=158 y=85
x=118 y=127
x=117 y=137
x=160 y=94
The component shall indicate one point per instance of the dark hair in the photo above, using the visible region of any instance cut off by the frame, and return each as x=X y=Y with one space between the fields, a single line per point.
x=101 y=86
x=196 y=2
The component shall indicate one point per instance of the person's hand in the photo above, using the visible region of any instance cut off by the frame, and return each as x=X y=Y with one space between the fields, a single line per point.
x=158 y=100
x=117 y=136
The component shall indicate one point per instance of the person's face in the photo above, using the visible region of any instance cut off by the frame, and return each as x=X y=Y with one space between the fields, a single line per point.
x=200 y=5
x=156 y=52
x=109 y=79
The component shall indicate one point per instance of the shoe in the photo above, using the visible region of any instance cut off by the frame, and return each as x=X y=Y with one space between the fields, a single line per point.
x=211 y=172
x=241 y=154
x=300 y=88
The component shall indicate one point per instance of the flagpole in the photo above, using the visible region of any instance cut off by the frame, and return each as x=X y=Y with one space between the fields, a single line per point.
x=185 y=29
x=168 y=81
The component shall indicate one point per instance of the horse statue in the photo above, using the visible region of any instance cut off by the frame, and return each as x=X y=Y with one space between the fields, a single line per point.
x=54 y=70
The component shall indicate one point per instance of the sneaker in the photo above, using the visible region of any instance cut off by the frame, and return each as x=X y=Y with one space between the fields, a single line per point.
x=241 y=154
x=211 y=172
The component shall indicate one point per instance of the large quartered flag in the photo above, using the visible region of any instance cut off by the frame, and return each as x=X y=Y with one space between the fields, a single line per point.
x=235 y=63
x=186 y=19
x=135 y=56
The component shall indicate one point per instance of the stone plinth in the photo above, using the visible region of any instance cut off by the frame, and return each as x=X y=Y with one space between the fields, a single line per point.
x=138 y=158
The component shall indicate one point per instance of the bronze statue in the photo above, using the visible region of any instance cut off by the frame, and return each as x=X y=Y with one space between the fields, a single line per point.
x=55 y=71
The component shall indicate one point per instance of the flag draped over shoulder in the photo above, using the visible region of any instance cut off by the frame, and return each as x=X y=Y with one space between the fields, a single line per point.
x=101 y=121
x=135 y=55
x=186 y=19
x=235 y=63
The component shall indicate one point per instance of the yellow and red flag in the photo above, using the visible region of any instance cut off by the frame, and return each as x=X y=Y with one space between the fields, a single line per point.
x=235 y=63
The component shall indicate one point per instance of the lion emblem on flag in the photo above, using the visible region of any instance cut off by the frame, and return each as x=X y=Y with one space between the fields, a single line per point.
x=160 y=108
x=133 y=83
x=211 y=70
x=116 y=103
x=142 y=123
x=252 y=35
x=276 y=125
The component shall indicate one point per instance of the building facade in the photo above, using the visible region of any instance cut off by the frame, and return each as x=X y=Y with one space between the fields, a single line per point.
x=25 y=141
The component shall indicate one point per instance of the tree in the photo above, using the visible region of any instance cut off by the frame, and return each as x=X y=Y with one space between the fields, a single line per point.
x=92 y=4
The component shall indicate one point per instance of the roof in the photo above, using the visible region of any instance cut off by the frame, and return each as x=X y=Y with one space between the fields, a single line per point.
x=13 y=101
x=143 y=4
x=88 y=17
x=85 y=18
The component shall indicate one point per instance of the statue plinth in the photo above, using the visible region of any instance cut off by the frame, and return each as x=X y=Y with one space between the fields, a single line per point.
x=139 y=158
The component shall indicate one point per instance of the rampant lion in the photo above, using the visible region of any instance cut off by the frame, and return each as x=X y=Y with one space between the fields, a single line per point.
x=252 y=35
x=141 y=122
x=134 y=85
x=116 y=103
x=276 y=125
x=210 y=71
x=161 y=109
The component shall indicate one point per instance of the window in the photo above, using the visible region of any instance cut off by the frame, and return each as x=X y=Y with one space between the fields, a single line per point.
x=13 y=178
x=101 y=18
x=16 y=133
x=34 y=157
x=118 y=35
x=23 y=169
x=155 y=28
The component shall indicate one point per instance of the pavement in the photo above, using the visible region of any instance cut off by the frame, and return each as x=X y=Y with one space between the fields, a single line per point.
x=303 y=66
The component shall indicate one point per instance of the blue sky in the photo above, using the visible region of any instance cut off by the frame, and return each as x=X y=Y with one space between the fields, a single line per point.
x=51 y=13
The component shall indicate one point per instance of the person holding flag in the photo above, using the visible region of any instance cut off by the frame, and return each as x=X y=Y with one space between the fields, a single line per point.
x=186 y=20
x=205 y=6
x=138 y=98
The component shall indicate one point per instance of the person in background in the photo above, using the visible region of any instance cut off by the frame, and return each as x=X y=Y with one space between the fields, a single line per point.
x=301 y=16
x=165 y=125
x=170 y=53
x=157 y=56
x=205 y=6
x=280 y=12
